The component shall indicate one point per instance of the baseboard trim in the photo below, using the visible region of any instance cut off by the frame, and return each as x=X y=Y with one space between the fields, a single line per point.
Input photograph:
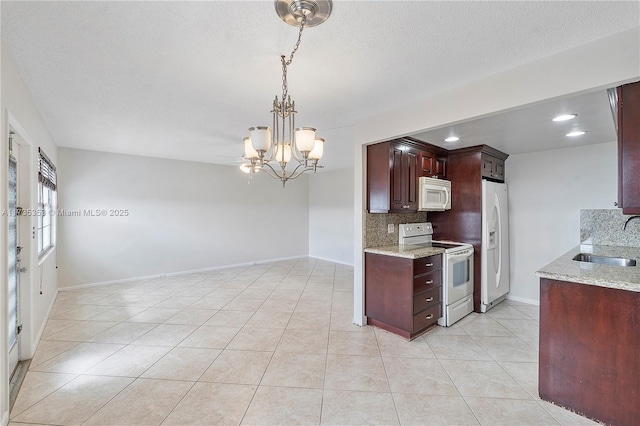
x=5 y=416
x=179 y=273
x=331 y=260
x=36 y=341
x=523 y=300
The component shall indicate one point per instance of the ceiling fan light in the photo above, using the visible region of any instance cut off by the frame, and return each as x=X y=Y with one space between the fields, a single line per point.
x=305 y=137
x=318 y=149
x=576 y=133
x=452 y=139
x=245 y=168
x=260 y=138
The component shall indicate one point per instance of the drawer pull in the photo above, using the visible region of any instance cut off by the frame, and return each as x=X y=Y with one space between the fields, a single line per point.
x=428 y=282
x=429 y=299
x=428 y=265
x=429 y=316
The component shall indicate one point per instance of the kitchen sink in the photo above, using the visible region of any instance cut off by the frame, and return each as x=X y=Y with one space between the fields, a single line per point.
x=592 y=258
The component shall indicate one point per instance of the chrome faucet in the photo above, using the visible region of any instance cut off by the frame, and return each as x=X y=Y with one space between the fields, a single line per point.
x=629 y=220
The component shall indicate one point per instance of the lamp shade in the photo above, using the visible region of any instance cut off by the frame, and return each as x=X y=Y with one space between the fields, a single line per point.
x=287 y=153
x=318 y=149
x=305 y=138
x=260 y=138
x=249 y=152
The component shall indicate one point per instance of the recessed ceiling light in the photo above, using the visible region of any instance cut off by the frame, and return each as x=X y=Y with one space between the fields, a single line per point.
x=565 y=117
x=576 y=133
x=452 y=139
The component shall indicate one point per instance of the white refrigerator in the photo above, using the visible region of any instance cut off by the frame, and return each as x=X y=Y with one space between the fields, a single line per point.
x=494 y=263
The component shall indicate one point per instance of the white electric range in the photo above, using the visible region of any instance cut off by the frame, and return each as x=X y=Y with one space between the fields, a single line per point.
x=457 y=270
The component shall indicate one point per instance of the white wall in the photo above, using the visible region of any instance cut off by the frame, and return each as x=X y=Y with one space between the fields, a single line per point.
x=19 y=111
x=182 y=216
x=547 y=190
x=603 y=63
x=331 y=216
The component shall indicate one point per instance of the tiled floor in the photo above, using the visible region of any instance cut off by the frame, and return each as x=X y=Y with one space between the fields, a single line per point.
x=274 y=345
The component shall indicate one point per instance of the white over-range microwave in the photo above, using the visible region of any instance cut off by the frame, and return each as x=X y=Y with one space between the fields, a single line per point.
x=434 y=194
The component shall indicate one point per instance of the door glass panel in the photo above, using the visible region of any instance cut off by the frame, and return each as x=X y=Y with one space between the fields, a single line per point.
x=13 y=254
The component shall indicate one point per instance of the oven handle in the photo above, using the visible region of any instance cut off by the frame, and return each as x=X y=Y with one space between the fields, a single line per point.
x=465 y=253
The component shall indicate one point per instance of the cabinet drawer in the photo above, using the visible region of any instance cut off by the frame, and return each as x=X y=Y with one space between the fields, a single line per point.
x=427 y=299
x=427 y=317
x=427 y=281
x=427 y=264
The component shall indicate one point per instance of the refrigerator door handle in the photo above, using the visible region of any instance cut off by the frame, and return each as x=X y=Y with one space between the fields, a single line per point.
x=499 y=239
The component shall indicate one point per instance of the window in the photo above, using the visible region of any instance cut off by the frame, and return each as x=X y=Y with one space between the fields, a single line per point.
x=47 y=186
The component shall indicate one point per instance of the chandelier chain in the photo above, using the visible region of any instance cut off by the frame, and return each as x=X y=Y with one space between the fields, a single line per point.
x=285 y=63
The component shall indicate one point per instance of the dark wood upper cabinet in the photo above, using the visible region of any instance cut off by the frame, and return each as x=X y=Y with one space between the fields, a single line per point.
x=393 y=169
x=492 y=167
x=629 y=148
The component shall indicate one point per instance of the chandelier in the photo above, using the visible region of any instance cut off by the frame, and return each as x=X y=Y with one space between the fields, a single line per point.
x=273 y=149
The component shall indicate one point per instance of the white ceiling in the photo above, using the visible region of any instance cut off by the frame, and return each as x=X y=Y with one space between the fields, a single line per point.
x=185 y=80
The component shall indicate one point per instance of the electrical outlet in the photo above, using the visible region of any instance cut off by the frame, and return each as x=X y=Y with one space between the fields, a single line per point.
x=391 y=228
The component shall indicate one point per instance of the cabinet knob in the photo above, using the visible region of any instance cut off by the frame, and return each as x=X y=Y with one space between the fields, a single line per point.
x=615 y=204
x=428 y=265
x=429 y=282
x=429 y=299
x=429 y=316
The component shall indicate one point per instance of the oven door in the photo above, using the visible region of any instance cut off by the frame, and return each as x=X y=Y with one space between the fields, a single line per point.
x=458 y=275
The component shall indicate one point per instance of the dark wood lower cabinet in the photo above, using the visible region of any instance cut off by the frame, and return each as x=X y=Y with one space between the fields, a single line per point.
x=403 y=296
x=590 y=350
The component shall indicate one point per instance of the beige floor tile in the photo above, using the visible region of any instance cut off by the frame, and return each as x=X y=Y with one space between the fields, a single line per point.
x=119 y=313
x=211 y=302
x=564 y=416
x=343 y=321
x=415 y=375
x=352 y=372
x=241 y=367
x=304 y=341
x=55 y=326
x=269 y=319
x=483 y=325
x=166 y=335
x=278 y=305
x=83 y=331
x=154 y=315
x=433 y=410
x=317 y=306
x=358 y=408
x=212 y=404
x=123 y=333
x=182 y=364
x=453 y=330
x=484 y=379
x=130 y=361
x=48 y=349
x=143 y=402
x=210 y=337
x=508 y=349
x=190 y=316
x=227 y=318
x=353 y=343
x=521 y=327
x=295 y=370
x=508 y=412
x=80 y=312
x=36 y=386
x=393 y=345
x=504 y=311
x=75 y=402
x=250 y=305
x=256 y=339
x=457 y=347
x=309 y=321
x=255 y=293
x=532 y=312
x=178 y=301
x=268 y=407
x=226 y=292
x=525 y=373
x=78 y=359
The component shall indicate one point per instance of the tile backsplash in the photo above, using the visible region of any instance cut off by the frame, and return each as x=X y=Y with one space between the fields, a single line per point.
x=375 y=227
x=605 y=227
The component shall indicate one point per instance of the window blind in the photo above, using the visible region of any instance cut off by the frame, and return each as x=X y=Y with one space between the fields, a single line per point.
x=46 y=171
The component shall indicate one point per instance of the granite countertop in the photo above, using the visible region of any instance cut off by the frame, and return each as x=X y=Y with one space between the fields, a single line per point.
x=620 y=277
x=406 y=251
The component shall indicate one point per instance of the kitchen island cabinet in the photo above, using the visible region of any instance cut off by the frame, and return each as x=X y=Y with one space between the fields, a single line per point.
x=403 y=295
x=590 y=336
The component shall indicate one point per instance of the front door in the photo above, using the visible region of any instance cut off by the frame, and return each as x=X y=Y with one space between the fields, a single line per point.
x=13 y=269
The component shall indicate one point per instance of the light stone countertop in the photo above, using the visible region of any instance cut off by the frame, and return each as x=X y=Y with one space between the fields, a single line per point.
x=565 y=268
x=406 y=251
